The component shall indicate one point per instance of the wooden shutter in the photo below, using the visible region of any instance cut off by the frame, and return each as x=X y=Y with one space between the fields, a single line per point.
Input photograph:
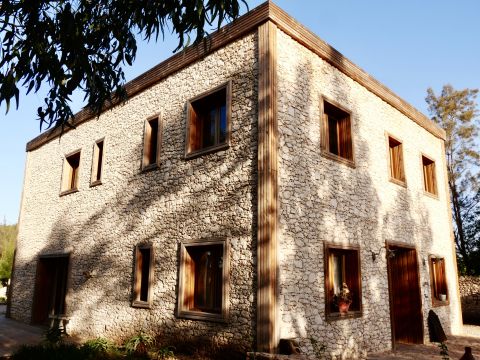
x=67 y=175
x=146 y=143
x=345 y=138
x=324 y=132
x=352 y=277
x=138 y=273
x=188 y=281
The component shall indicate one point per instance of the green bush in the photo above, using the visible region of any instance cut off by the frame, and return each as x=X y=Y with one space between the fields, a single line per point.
x=99 y=345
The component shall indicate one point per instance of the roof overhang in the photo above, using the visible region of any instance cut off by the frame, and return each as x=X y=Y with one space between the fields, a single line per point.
x=238 y=28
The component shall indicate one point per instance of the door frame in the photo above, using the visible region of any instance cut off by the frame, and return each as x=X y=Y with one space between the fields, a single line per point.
x=389 y=244
x=67 y=285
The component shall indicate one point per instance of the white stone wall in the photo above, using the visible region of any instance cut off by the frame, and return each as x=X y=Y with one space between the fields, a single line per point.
x=210 y=196
x=322 y=200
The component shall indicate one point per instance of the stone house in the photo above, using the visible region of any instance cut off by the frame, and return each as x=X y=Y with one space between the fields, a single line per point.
x=245 y=184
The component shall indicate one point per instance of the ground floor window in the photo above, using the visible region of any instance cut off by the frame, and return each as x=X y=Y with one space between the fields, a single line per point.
x=343 y=287
x=438 y=281
x=203 y=280
x=143 y=276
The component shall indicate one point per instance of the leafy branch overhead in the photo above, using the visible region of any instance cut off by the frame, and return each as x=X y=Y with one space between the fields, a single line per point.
x=84 y=44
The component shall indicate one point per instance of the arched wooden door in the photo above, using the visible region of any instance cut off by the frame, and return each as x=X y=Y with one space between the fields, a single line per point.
x=405 y=295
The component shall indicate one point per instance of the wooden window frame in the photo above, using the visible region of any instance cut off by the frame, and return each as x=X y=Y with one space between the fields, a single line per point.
x=147 y=133
x=182 y=310
x=329 y=314
x=435 y=301
x=64 y=190
x=390 y=177
x=324 y=132
x=136 y=302
x=95 y=163
x=435 y=183
x=190 y=154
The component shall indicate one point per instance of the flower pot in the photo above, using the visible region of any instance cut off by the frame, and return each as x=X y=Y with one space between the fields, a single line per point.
x=442 y=297
x=343 y=306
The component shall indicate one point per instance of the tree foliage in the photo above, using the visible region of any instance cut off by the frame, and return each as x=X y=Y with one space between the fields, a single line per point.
x=456 y=112
x=8 y=235
x=84 y=44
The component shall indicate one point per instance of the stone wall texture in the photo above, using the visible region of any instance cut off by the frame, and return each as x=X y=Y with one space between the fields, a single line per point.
x=322 y=200
x=470 y=296
x=210 y=196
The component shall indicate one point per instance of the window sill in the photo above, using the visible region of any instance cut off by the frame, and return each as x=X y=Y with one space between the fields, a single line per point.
x=141 y=304
x=432 y=195
x=95 y=183
x=438 y=303
x=335 y=316
x=337 y=158
x=204 y=316
x=398 y=182
x=211 y=149
x=150 y=167
x=69 y=191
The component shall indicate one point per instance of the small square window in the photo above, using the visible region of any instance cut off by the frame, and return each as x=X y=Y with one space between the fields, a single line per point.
x=203 y=281
x=208 y=122
x=396 y=160
x=429 y=179
x=71 y=166
x=97 y=163
x=143 y=278
x=438 y=281
x=152 y=143
x=342 y=282
x=336 y=132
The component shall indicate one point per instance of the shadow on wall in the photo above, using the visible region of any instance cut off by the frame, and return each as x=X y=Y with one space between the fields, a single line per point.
x=325 y=201
x=208 y=197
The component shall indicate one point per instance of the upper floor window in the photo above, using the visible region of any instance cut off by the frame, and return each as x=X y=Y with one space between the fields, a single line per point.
x=336 y=132
x=208 y=121
x=429 y=178
x=395 y=149
x=97 y=163
x=152 y=142
x=71 y=166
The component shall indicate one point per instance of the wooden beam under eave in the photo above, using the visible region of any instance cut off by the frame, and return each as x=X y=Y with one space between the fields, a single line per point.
x=267 y=188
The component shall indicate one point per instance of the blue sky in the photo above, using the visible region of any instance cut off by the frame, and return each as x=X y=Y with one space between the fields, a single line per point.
x=407 y=45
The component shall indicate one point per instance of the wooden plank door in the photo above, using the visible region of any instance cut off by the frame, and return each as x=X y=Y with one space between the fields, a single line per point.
x=50 y=288
x=405 y=295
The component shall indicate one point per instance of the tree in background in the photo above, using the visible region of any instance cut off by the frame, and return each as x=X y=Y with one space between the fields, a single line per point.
x=8 y=235
x=455 y=111
x=71 y=45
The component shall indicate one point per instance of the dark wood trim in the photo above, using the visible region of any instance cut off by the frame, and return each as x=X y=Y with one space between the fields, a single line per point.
x=390 y=296
x=68 y=192
x=452 y=236
x=242 y=26
x=267 y=189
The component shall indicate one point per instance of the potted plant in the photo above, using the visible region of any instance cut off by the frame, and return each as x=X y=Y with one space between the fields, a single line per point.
x=343 y=299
